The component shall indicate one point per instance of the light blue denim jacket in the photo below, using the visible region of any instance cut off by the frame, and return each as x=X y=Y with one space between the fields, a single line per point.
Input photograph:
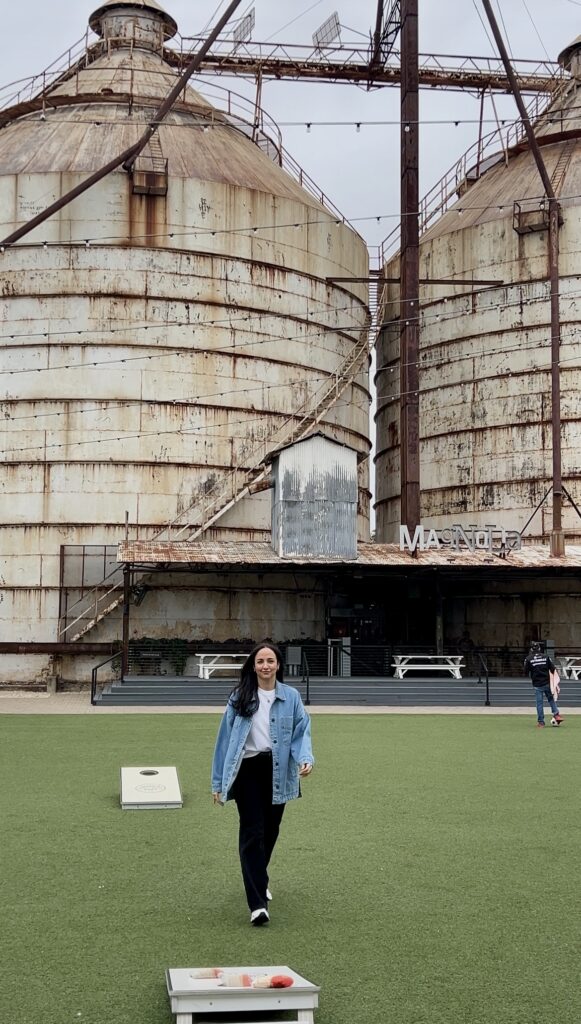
x=290 y=733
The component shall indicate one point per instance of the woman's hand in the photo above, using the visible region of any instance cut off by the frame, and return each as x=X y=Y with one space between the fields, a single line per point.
x=305 y=769
x=216 y=798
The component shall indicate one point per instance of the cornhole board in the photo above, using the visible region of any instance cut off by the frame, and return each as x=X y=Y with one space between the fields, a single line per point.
x=193 y=999
x=149 y=786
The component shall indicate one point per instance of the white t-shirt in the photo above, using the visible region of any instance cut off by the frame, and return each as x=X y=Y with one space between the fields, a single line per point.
x=258 y=739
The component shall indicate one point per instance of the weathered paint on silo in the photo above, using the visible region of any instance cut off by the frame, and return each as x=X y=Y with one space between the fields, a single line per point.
x=485 y=361
x=175 y=333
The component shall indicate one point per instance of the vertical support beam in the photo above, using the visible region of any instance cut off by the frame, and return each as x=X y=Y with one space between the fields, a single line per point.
x=376 y=46
x=557 y=535
x=409 y=291
x=480 y=123
x=439 y=619
x=126 y=607
x=257 y=106
x=62 y=594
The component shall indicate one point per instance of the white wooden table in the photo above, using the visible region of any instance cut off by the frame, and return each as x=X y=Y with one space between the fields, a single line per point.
x=451 y=663
x=210 y=663
x=190 y=997
x=570 y=666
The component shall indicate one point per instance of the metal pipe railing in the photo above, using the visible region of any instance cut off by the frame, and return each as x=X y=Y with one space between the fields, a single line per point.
x=306 y=676
x=483 y=664
x=95 y=672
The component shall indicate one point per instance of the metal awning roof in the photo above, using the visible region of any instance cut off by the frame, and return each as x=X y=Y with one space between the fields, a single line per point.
x=247 y=554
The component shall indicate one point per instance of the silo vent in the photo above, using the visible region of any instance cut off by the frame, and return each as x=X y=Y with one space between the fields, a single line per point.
x=140 y=23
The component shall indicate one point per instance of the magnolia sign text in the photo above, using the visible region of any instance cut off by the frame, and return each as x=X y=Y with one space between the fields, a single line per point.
x=460 y=538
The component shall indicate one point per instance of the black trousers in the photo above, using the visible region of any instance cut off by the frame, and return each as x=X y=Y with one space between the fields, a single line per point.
x=259 y=824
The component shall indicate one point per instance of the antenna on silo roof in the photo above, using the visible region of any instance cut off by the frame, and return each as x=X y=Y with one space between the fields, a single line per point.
x=329 y=31
x=243 y=31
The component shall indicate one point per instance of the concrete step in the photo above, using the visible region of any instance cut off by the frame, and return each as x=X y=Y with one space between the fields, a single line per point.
x=187 y=690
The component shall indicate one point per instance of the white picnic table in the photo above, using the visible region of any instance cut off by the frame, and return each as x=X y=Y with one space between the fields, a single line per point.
x=210 y=663
x=190 y=996
x=570 y=666
x=451 y=663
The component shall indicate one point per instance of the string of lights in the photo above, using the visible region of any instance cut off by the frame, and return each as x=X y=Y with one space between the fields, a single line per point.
x=194 y=402
x=201 y=122
x=439 y=387
x=381 y=398
x=185 y=431
x=426 y=317
x=199 y=400
x=436 y=361
x=253 y=229
x=190 y=401
x=228 y=323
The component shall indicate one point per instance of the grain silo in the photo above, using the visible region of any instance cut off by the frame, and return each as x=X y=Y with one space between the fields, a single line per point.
x=166 y=329
x=485 y=350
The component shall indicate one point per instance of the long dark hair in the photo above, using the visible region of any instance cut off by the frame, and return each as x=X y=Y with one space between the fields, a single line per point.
x=244 y=698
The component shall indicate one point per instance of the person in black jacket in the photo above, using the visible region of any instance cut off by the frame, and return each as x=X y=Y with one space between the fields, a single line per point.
x=539 y=666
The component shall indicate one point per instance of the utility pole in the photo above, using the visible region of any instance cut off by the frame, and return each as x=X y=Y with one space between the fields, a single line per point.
x=409 y=270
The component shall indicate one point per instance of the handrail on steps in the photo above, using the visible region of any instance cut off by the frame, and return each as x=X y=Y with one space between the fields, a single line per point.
x=99 y=597
x=306 y=676
x=483 y=666
x=95 y=672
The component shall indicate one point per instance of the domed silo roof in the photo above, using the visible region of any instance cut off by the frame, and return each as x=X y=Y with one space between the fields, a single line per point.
x=103 y=108
x=485 y=385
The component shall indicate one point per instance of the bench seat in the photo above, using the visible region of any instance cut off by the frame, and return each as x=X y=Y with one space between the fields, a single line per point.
x=211 y=663
x=570 y=667
x=450 y=663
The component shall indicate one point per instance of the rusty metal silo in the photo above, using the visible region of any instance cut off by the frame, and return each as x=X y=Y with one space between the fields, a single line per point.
x=167 y=328
x=485 y=348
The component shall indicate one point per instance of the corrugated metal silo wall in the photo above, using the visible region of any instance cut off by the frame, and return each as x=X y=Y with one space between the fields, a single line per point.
x=136 y=376
x=485 y=386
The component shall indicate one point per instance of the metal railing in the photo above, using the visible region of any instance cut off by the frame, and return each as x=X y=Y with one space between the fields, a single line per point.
x=306 y=680
x=483 y=667
x=93 y=606
x=95 y=673
x=482 y=154
x=28 y=88
x=167 y=657
x=375 y=660
x=487 y=673
x=228 y=108
x=164 y=656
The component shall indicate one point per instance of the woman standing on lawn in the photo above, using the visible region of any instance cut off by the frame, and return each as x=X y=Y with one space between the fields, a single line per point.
x=263 y=746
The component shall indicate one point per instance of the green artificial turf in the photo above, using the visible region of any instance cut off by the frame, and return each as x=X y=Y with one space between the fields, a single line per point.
x=428 y=876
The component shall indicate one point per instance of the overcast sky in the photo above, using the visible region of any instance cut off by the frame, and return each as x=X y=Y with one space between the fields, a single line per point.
x=359 y=171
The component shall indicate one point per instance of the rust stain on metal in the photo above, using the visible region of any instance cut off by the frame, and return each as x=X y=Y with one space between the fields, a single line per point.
x=378 y=555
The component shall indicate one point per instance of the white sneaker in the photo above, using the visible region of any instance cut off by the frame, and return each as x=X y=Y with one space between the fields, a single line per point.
x=268 y=894
x=259 y=917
